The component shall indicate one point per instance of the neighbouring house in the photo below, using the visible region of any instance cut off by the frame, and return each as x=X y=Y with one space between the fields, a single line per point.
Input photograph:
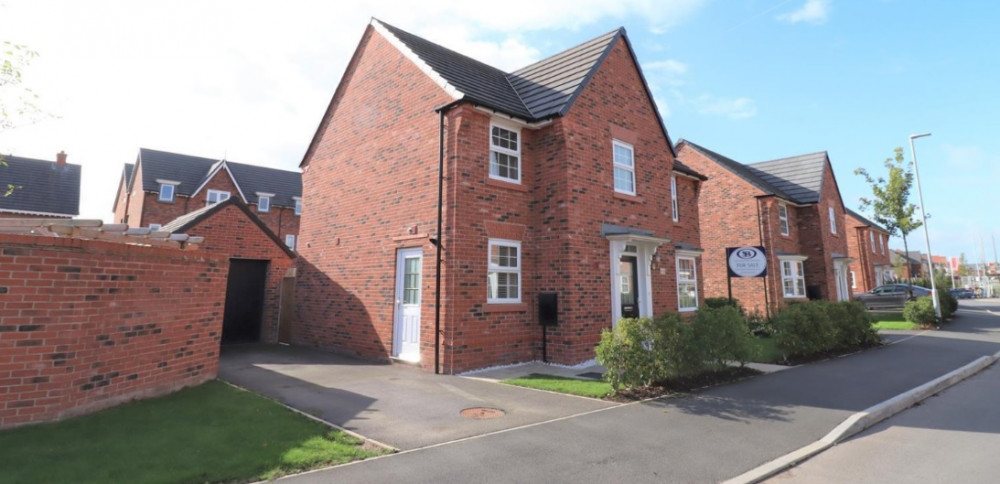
x=39 y=188
x=161 y=186
x=790 y=206
x=868 y=248
x=909 y=265
x=561 y=202
x=259 y=264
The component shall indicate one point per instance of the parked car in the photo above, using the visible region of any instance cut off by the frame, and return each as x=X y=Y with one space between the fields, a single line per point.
x=890 y=296
x=962 y=293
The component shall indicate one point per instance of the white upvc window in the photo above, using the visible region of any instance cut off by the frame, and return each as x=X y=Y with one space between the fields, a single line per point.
x=673 y=198
x=298 y=206
x=290 y=241
x=155 y=226
x=264 y=202
x=882 y=241
x=793 y=279
x=783 y=218
x=871 y=237
x=505 y=154
x=166 y=192
x=624 y=164
x=687 y=284
x=216 y=196
x=854 y=282
x=503 y=279
x=833 y=221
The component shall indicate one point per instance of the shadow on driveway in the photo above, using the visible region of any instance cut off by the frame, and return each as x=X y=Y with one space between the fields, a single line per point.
x=397 y=405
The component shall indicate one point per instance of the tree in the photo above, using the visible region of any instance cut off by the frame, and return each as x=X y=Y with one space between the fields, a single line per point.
x=890 y=202
x=963 y=266
x=17 y=103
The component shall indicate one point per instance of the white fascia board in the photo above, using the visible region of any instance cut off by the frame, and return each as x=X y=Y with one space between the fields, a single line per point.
x=413 y=57
x=212 y=174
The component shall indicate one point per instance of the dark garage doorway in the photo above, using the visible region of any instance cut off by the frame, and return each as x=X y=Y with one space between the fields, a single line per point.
x=242 y=318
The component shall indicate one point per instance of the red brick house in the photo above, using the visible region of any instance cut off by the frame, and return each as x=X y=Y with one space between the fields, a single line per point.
x=558 y=182
x=39 y=188
x=162 y=186
x=259 y=262
x=868 y=247
x=790 y=206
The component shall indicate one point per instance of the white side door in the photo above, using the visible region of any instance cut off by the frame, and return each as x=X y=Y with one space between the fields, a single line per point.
x=406 y=320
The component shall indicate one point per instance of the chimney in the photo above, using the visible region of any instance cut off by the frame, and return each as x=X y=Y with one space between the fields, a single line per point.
x=61 y=159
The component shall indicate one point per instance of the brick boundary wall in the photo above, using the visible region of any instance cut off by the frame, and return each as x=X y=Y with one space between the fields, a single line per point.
x=86 y=325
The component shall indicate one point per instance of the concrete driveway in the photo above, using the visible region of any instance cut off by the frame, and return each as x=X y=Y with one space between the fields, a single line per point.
x=397 y=405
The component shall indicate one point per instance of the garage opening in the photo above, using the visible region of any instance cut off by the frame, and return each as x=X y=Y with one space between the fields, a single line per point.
x=241 y=322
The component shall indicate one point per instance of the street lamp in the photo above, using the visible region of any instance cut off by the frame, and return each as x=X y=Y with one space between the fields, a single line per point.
x=927 y=236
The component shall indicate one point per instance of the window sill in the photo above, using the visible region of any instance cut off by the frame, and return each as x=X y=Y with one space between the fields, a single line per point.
x=794 y=297
x=493 y=182
x=505 y=307
x=686 y=310
x=627 y=197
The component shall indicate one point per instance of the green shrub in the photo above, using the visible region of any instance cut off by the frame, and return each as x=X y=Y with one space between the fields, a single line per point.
x=920 y=311
x=626 y=351
x=759 y=324
x=854 y=325
x=948 y=303
x=720 y=336
x=804 y=329
x=722 y=302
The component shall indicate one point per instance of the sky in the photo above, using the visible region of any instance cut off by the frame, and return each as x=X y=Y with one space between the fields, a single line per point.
x=754 y=80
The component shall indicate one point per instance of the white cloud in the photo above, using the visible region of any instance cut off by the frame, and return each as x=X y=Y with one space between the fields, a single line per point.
x=814 y=11
x=245 y=79
x=733 y=108
x=669 y=66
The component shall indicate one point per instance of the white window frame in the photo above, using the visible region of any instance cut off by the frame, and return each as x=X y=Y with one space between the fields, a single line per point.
x=882 y=242
x=854 y=281
x=833 y=222
x=290 y=241
x=674 y=211
x=219 y=195
x=693 y=281
x=298 y=206
x=496 y=268
x=783 y=218
x=797 y=276
x=500 y=150
x=264 y=202
x=616 y=166
x=871 y=237
x=163 y=188
x=155 y=227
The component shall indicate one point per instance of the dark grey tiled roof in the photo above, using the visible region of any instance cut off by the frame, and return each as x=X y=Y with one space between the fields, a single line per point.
x=864 y=220
x=801 y=177
x=541 y=90
x=181 y=223
x=681 y=167
x=191 y=172
x=44 y=187
x=739 y=169
x=127 y=175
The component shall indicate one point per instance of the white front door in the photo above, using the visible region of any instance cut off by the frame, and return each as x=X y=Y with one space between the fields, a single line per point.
x=406 y=321
x=840 y=275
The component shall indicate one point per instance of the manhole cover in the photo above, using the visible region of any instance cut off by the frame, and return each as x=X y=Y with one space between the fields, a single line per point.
x=482 y=413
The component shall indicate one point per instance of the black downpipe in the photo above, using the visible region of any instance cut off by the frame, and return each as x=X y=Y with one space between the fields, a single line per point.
x=440 y=242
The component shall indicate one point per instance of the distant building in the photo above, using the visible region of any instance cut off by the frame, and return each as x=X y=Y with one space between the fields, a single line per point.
x=39 y=188
x=868 y=247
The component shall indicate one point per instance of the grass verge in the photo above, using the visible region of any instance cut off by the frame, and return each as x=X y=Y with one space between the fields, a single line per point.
x=765 y=350
x=561 y=384
x=903 y=325
x=209 y=433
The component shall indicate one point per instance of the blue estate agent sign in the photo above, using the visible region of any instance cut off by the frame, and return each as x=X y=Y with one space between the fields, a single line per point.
x=746 y=261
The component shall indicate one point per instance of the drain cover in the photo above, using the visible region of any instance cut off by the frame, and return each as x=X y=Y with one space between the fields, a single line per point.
x=482 y=413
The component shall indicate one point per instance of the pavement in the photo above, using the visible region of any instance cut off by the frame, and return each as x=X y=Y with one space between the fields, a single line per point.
x=709 y=436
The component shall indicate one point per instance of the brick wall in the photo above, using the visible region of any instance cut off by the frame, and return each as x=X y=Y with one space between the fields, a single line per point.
x=231 y=232
x=867 y=262
x=818 y=242
x=88 y=324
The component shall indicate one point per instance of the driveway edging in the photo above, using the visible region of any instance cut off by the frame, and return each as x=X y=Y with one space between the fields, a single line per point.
x=863 y=420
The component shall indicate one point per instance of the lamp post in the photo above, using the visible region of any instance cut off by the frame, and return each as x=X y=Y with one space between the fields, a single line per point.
x=927 y=236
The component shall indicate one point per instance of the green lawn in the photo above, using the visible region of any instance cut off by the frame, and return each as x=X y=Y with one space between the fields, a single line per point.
x=878 y=316
x=561 y=384
x=766 y=351
x=904 y=325
x=209 y=433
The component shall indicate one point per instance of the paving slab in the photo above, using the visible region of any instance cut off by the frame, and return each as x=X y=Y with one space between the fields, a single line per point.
x=395 y=404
